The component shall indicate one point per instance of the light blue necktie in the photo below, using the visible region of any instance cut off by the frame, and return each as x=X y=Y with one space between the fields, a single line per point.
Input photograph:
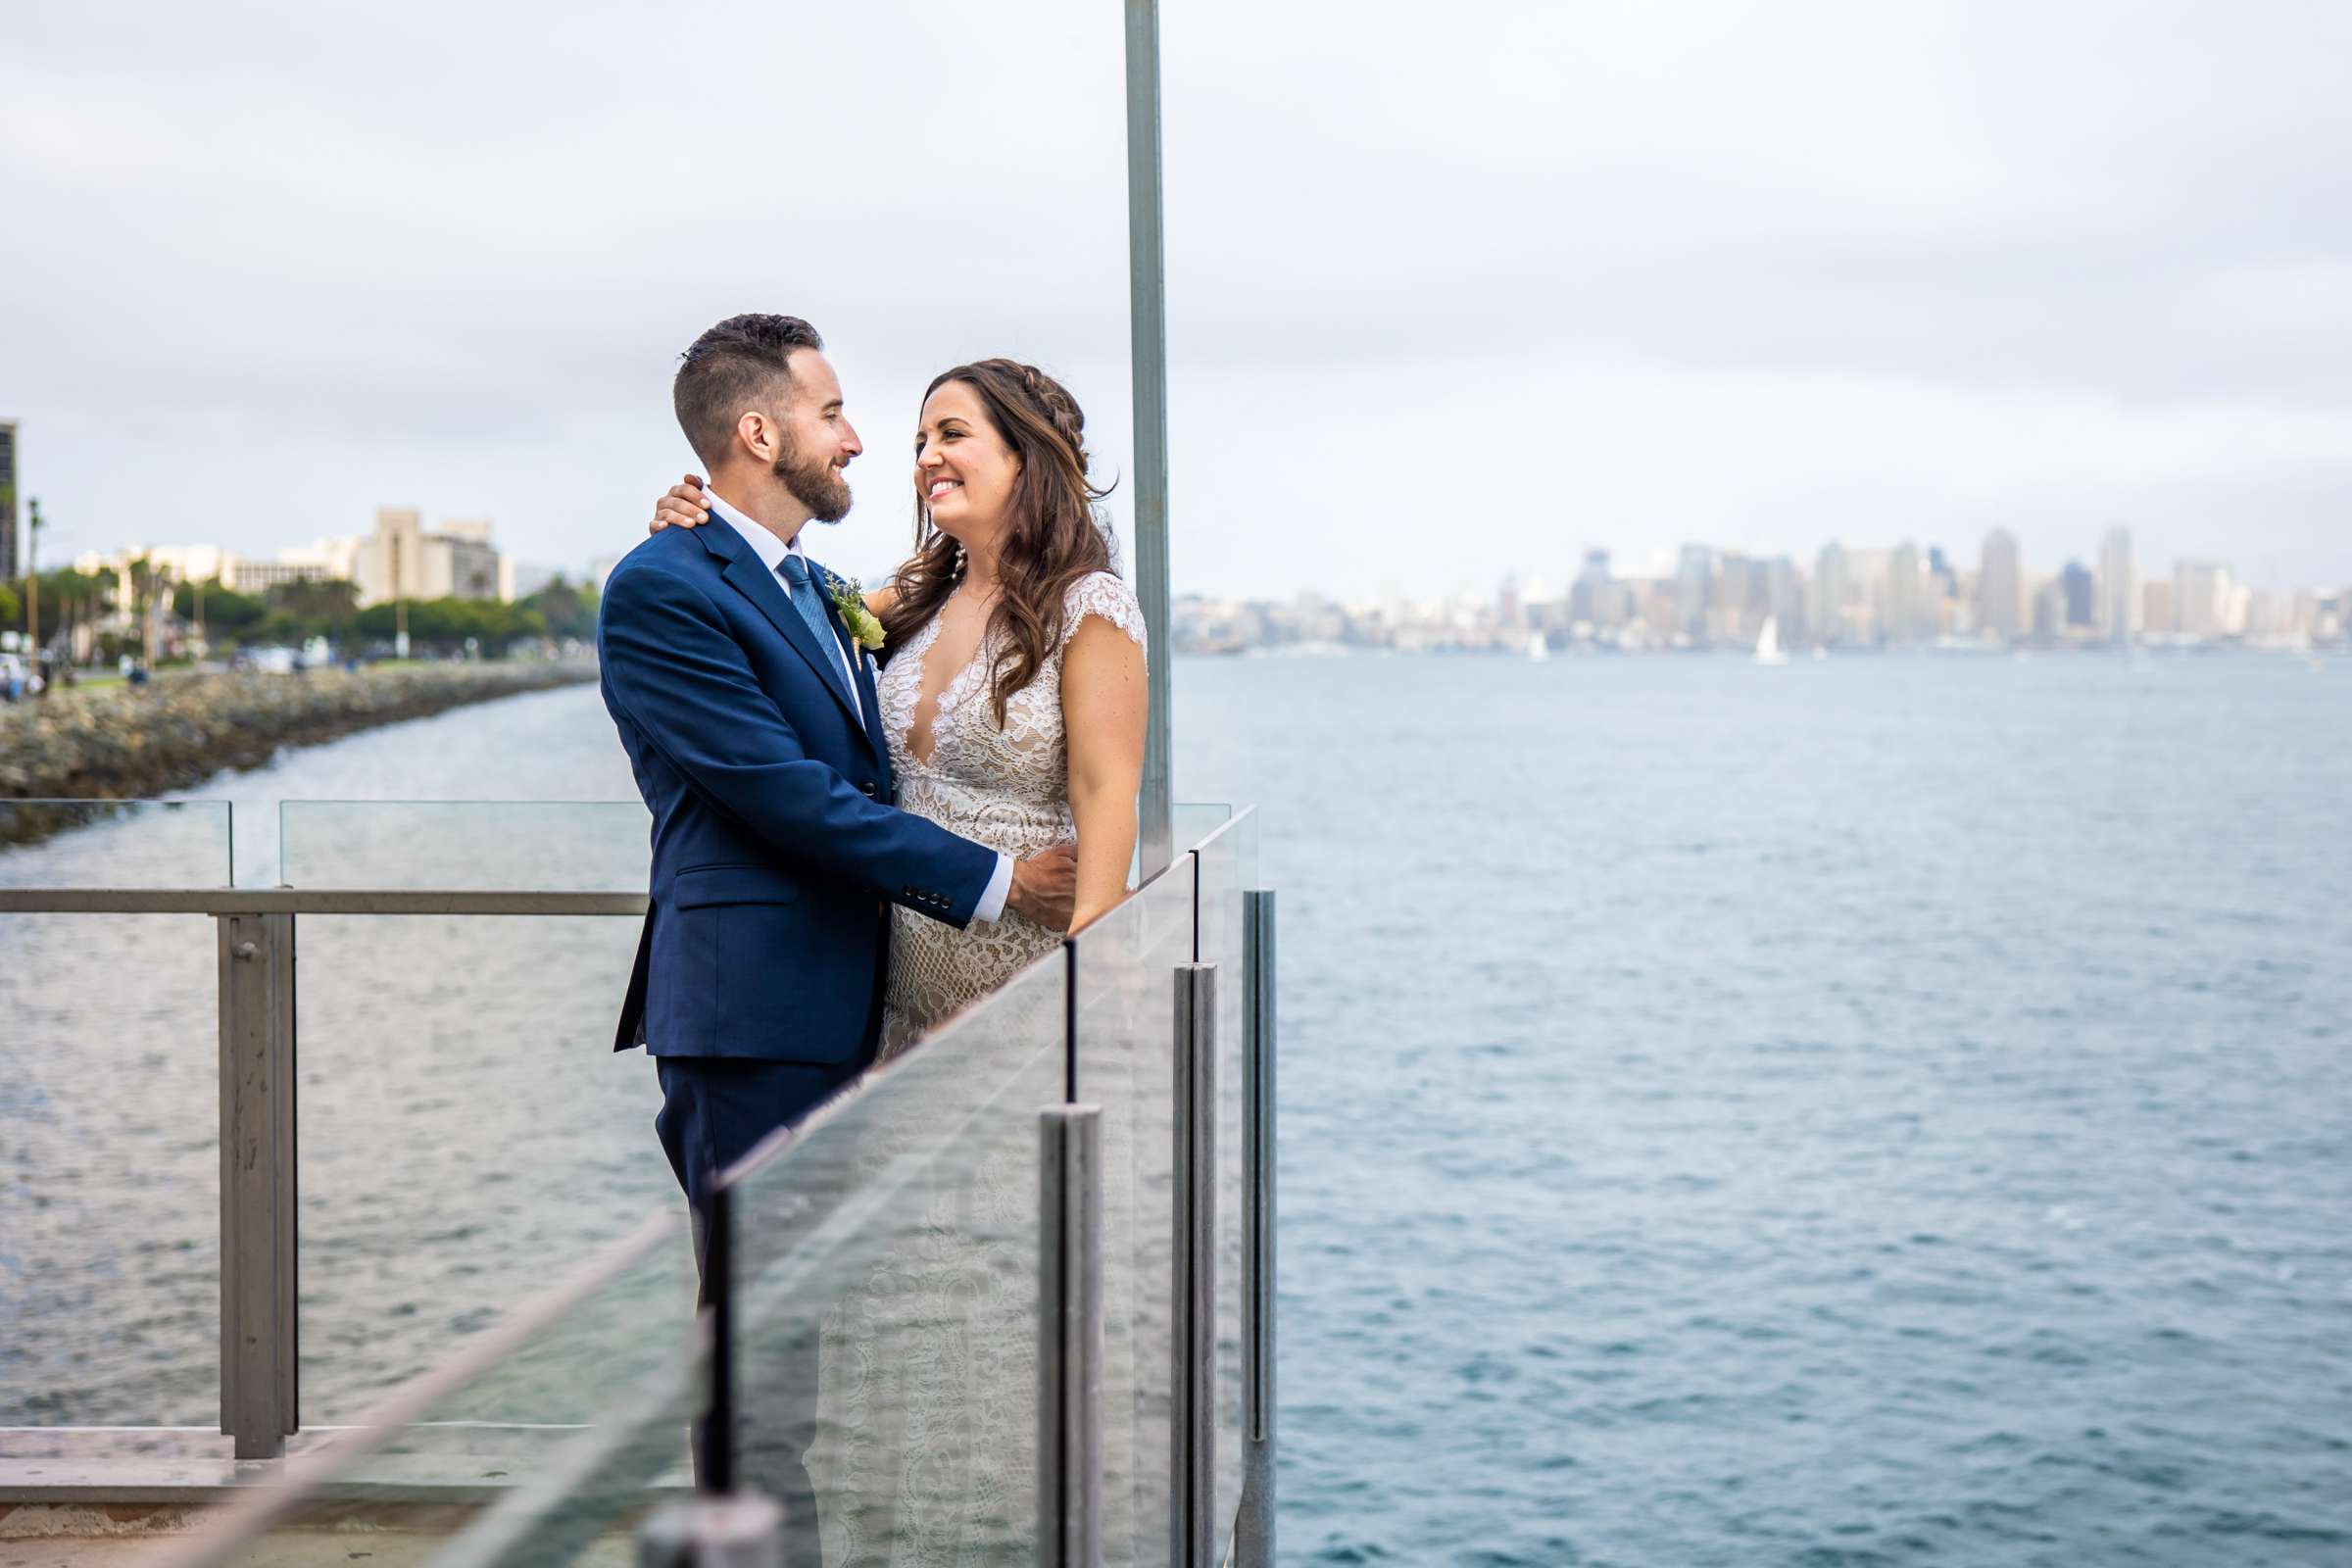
x=807 y=598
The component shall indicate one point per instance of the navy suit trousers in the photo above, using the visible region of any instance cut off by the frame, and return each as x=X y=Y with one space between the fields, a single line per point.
x=715 y=1110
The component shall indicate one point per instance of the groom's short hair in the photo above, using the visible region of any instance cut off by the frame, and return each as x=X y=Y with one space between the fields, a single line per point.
x=734 y=366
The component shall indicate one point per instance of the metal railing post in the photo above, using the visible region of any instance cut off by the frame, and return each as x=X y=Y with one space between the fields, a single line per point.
x=1148 y=333
x=1070 y=1498
x=1191 y=1513
x=259 y=1317
x=1253 y=1546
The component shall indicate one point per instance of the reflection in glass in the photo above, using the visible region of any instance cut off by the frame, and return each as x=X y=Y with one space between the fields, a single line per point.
x=887 y=1262
x=543 y=1444
x=1124 y=989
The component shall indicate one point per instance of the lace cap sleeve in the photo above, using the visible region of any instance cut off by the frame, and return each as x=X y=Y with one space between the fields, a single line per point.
x=1101 y=592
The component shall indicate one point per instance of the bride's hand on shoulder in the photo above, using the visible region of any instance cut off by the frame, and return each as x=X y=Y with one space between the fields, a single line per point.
x=683 y=506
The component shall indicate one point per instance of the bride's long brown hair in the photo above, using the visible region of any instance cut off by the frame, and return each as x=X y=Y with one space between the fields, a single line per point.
x=1053 y=536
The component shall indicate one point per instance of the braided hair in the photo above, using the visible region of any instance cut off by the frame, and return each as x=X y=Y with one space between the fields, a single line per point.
x=1054 y=534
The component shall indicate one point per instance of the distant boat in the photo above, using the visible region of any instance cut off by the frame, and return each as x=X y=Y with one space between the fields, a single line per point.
x=1768 y=643
x=1539 y=647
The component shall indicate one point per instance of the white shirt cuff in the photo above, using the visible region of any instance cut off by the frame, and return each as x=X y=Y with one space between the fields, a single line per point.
x=991 y=908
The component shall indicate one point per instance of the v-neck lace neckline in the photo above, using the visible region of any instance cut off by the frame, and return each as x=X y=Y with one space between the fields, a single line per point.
x=951 y=696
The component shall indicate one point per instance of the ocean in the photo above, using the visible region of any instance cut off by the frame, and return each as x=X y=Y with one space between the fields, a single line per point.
x=1885 y=1110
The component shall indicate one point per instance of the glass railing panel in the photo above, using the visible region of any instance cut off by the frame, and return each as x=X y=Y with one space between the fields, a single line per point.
x=1227 y=865
x=546 y=846
x=887 y=1259
x=461 y=1108
x=115 y=844
x=109 y=1122
x=1124 y=990
x=540 y=1442
x=1190 y=821
x=461 y=1117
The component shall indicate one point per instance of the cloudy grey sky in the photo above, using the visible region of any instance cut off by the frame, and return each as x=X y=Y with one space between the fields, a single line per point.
x=1454 y=289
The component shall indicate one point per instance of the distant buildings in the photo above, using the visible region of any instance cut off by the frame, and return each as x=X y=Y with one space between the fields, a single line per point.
x=399 y=559
x=402 y=561
x=1701 y=597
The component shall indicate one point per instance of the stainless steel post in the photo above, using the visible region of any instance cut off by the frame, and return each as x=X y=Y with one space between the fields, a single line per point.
x=1070 y=1499
x=259 y=1319
x=1147 y=294
x=1191 y=1513
x=1253 y=1530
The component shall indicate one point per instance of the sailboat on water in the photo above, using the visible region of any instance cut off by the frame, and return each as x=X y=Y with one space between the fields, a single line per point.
x=1768 y=643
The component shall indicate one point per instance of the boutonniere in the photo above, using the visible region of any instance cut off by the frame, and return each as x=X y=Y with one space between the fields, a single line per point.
x=850 y=599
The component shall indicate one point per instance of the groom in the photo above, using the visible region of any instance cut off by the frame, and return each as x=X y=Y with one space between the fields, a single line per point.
x=749 y=714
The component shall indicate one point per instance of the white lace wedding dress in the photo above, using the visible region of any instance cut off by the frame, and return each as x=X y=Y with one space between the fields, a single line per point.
x=927 y=1365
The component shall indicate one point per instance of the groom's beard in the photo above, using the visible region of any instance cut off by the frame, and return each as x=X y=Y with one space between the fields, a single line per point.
x=817 y=485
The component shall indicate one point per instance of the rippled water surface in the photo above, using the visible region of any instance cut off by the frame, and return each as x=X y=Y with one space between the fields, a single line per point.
x=1886 y=1111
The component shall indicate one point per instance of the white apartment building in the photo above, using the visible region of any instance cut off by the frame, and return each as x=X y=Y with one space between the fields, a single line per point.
x=400 y=559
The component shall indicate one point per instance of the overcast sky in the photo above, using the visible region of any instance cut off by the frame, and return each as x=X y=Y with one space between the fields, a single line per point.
x=1454 y=289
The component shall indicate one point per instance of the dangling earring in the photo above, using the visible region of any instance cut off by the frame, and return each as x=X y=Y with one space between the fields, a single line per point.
x=959 y=573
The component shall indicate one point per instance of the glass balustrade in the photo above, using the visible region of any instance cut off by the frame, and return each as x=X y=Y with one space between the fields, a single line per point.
x=463 y=1127
x=542 y=1442
x=1228 y=867
x=110 y=1208
x=1123 y=991
x=886 y=1286
x=543 y=846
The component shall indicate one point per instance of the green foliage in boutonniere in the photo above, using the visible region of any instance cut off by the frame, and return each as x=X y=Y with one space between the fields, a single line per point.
x=849 y=597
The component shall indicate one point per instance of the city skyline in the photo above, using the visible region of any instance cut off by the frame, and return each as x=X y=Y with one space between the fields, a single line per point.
x=1863 y=596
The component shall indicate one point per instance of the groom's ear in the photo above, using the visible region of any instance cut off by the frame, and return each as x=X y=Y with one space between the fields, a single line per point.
x=757 y=434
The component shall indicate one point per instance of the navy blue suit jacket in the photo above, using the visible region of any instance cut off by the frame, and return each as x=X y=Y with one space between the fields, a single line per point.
x=775 y=846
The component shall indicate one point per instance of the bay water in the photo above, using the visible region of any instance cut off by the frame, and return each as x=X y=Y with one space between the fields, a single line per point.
x=1878 y=1110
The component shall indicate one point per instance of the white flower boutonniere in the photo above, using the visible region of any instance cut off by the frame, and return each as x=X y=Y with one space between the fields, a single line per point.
x=849 y=597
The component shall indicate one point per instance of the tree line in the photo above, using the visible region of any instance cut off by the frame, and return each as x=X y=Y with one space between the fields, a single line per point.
x=289 y=615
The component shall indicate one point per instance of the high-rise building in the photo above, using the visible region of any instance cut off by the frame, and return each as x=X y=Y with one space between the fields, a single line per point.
x=1908 y=613
x=2156 y=608
x=10 y=566
x=1832 y=588
x=2000 y=589
x=402 y=561
x=2203 y=599
x=2119 y=604
x=1589 y=598
x=2081 y=593
x=1691 y=582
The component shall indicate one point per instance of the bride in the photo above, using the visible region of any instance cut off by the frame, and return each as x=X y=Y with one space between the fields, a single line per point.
x=1012 y=701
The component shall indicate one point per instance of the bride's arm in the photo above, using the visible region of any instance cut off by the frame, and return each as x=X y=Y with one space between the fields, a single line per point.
x=682 y=507
x=1102 y=708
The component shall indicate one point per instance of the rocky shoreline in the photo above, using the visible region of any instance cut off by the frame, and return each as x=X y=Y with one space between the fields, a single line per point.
x=130 y=742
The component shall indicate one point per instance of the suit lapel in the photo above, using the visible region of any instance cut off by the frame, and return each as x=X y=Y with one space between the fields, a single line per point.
x=869 y=696
x=760 y=585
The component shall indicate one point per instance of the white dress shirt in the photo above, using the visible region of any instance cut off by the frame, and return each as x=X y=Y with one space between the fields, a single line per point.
x=772 y=552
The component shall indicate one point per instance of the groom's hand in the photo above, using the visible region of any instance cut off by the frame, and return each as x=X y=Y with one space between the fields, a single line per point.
x=1044 y=887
